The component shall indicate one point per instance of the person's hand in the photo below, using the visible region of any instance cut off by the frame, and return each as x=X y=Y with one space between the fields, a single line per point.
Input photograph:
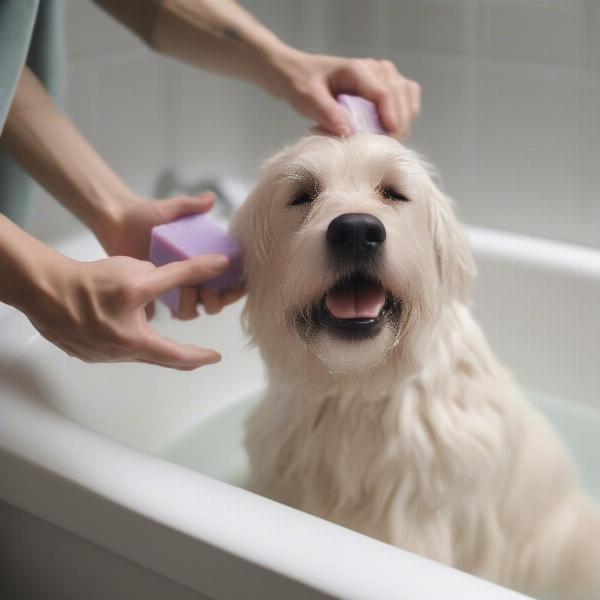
x=95 y=311
x=127 y=233
x=311 y=82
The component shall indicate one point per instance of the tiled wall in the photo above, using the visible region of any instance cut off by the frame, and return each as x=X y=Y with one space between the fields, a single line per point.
x=511 y=97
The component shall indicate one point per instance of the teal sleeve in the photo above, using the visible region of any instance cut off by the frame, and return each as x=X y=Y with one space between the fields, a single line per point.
x=17 y=18
x=31 y=31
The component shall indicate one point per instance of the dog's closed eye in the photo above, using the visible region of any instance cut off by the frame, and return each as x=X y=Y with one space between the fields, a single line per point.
x=389 y=192
x=303 y=197
x=305 y=185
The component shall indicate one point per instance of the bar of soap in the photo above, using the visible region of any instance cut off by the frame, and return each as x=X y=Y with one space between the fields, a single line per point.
x=195 y=235
x=363 y=114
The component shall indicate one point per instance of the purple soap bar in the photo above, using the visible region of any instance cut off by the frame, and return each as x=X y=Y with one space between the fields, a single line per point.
x=363 y=114
x=192 y=236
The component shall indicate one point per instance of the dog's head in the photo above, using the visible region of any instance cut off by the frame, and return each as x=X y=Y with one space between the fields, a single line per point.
x=351 y=251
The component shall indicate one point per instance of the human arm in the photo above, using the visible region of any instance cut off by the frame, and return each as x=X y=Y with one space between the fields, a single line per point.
x=219 y=35
x=51 y=149
x=95 y=311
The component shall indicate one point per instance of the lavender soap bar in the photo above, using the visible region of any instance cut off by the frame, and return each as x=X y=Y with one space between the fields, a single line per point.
x=363 y=114
x=192 y=236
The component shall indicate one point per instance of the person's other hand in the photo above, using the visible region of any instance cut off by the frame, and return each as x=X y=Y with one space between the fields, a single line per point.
x=214 y=301
x=95 y=311
x=311 y=82
x=128 y=234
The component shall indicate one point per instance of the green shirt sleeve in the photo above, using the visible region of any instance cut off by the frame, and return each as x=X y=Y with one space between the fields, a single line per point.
x=31 y=32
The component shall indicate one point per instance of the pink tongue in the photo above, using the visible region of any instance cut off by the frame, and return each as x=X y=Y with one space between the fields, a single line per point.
x=362 y=301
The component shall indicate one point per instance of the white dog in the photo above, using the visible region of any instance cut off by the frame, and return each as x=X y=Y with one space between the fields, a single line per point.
x=386 y=411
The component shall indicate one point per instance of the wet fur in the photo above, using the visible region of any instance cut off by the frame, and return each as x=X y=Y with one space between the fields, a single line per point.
x=418 y=437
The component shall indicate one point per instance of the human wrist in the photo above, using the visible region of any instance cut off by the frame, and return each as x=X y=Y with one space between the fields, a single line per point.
x=28 y=277
x=109 y=217
x=278 y=66
x=45 y=283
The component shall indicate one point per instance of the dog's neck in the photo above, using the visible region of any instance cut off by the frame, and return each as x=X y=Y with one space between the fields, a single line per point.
x=420 y=418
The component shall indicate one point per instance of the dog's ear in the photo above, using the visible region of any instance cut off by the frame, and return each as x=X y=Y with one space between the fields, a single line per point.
x=250 y=225
x=455 y=263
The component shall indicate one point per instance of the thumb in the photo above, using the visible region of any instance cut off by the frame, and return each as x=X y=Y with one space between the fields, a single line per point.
x=173 y=208
x=328 y=113
x=159 y=350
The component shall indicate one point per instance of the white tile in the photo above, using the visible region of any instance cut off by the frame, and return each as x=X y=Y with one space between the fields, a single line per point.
x=590 y=140
x=528 y=150
x=443 y=131
x=362 y=49
x=129 y=104
x=118 y=106
x=285 y=18
x=592 y=33
x=353 y=24
x=91 y=32
x=205 y=121
x=444 y=26
x=550 y=32
x=315 y=35
x=268 y=125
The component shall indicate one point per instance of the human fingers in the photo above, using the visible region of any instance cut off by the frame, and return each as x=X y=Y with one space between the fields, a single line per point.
x=214 y=301
x=365 y=78
x=188 y=300
x=233 y=295
x=406 y=95
x=396 y=83
x=184 y=273
x=211 y=301
x=173 y=208
x=150 y=309
x=324 y=108
x=415 y=92
x=163 y=351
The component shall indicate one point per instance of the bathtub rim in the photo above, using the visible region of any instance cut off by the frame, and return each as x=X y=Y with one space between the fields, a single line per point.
x=540 y=252
x=84 y=496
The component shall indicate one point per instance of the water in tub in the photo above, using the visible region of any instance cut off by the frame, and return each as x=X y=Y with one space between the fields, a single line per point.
x=215 y=445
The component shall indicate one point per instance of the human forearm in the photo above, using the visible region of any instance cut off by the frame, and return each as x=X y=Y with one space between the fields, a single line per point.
x=221 y=36
x=217 y=35
x=26 y=266
x=51 y=149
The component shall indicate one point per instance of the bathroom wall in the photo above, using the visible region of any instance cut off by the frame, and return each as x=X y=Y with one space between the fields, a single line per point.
x=511 y=102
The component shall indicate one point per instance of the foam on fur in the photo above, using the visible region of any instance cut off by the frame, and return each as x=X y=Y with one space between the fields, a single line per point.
x=417 y=436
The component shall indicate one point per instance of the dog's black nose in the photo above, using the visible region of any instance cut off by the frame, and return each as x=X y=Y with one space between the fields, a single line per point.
x=355 y=235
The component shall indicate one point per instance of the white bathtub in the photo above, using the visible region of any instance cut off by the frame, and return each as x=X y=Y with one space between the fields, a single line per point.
x=89 y=509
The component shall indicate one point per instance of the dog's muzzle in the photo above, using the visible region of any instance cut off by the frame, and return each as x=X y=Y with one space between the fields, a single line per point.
x=353 y=307
x=357 y=305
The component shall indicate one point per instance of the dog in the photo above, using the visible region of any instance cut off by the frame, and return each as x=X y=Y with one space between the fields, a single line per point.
x=386 y=411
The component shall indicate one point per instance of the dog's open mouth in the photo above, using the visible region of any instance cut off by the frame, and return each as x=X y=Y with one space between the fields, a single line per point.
x=355 y=307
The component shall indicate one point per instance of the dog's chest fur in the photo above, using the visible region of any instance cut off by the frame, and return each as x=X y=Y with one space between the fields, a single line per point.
x=417 y=461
